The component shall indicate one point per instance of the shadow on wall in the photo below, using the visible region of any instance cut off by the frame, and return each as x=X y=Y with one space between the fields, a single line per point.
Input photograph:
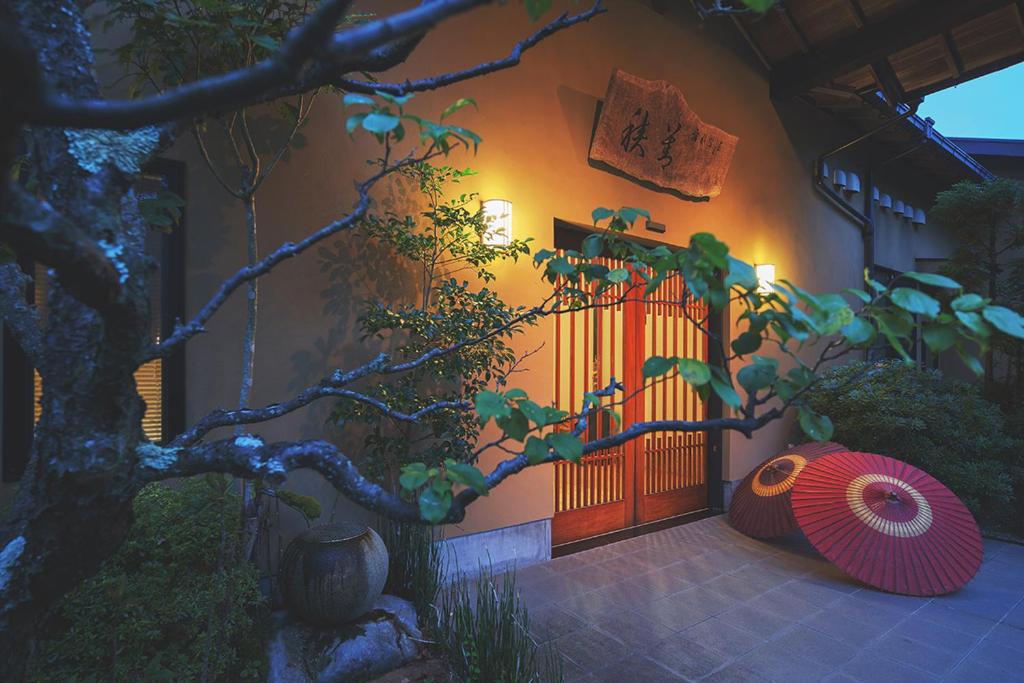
x=357 y=271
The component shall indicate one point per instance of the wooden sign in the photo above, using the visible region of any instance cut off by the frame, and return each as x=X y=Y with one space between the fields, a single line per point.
x=647 y=131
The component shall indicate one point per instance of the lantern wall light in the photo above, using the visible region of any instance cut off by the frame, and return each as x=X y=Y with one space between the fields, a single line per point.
x=765 y=277
x=498 y=215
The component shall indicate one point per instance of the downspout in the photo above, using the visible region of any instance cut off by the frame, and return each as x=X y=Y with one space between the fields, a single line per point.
x=865 y=219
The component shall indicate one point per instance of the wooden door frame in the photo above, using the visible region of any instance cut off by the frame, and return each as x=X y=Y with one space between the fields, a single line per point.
x=570 y=235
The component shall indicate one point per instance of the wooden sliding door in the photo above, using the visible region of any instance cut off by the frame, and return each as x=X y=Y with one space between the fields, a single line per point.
x=653 y=477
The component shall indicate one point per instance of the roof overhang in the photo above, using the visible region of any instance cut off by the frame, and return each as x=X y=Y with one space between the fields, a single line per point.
x=905 y=48
x=863 y=61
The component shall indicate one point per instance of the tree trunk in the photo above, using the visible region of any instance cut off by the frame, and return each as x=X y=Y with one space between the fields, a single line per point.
x=73 y=507
x=250 y=503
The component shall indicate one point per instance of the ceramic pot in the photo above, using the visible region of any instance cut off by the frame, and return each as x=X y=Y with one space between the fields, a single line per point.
x=333 y=573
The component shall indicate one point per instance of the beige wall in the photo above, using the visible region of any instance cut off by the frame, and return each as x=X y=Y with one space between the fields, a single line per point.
x=536 y=122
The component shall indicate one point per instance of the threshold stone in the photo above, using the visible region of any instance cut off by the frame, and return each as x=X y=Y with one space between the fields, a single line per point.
x=383 y=639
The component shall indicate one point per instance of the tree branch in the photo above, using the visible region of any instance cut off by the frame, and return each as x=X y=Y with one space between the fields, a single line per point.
x=227 y=418
x=34 y=229
x=183 y=333
x=313 y=40
x=249 y=457
x=564 y=21
x=20 y=316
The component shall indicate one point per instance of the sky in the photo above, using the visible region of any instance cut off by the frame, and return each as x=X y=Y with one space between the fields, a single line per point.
x=988 y=107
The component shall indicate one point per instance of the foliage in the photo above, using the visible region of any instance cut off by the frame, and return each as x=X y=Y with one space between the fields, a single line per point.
x=941 y=425
x=987 y=223
x=442 y=243
x=415 y=570
x=485 y=631
x=176 y=42
x=307 y=506
x=147 y=614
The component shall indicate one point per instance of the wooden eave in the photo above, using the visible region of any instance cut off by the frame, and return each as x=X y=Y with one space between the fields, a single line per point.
x=861 y=60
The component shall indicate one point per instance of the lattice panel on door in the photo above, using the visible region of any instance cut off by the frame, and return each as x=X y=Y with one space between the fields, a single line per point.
x=673 y=460
x=589 y=351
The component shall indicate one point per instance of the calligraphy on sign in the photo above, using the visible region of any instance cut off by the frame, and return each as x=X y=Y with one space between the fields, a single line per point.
x=647 y=131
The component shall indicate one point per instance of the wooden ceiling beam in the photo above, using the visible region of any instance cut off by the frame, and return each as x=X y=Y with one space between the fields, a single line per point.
x=874 y=42
x=967 y=76
x=954 y=53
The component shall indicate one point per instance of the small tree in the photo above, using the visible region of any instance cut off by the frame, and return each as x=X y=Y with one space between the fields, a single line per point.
x=987 y=222
x=444 y=245
x=172 y=43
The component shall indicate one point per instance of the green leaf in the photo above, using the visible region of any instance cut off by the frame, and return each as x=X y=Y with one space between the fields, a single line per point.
x=741 y=274
x=972 y=363
x=655 y=366
x=967 y=302
x=748 y=342
x=490 y=404
x=818 y=427
x=267 y=43
x=353 y=122
x=1005 y=320
x=514 y=394
x=554 y=415
x=537 y=8
x=725 y=392
x=457 y=105
x=601 y=213
x=467 y=475
x=756 y=377
x=914 y=301
x=561 y=266
x=715 y=251
x=534 y=413
x=761 y=6
x=515 y=424
x=356 y=98
x=398 y=100
x=694 y=372
x=379 y=123
x=974 y=323
x=859 y=293
x=593 y=245
x=566 y=445
x=938 y=337
x=434 y=505
x=536 y=450
x=874 y=284
x=858 y=332
x=933 y=279
x=617 y=275
x=413 y=476
x=630 y=214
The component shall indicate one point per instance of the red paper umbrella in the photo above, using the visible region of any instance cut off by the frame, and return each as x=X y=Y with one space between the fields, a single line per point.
x=760 y=505
x=887 y=523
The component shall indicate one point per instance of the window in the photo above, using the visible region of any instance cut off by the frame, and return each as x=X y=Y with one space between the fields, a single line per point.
x=160 y=382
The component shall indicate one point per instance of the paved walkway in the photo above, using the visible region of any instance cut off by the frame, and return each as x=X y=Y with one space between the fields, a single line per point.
x=703 y=602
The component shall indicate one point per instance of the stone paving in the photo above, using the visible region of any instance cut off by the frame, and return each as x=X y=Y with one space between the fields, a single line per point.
x=703 y=602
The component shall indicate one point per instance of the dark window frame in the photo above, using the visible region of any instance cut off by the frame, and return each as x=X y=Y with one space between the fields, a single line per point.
x=17 y=414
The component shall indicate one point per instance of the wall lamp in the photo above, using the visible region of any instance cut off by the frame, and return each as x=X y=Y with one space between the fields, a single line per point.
x=498 y=216
x=765 y=278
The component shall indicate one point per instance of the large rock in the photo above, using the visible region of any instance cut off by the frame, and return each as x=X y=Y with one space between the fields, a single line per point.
x=383 y=639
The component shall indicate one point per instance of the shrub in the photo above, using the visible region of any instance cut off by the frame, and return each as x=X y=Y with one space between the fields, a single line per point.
x=485 y=631
x=414 y=564
x=941 y=425
x=172 y=604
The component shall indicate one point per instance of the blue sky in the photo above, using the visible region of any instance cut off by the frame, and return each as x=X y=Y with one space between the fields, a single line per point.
x=988 y=107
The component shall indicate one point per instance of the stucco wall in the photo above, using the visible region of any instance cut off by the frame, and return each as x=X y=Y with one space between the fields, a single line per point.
x=536 y=122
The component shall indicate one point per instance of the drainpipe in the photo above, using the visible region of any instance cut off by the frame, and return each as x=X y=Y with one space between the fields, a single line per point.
x=864 y=219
